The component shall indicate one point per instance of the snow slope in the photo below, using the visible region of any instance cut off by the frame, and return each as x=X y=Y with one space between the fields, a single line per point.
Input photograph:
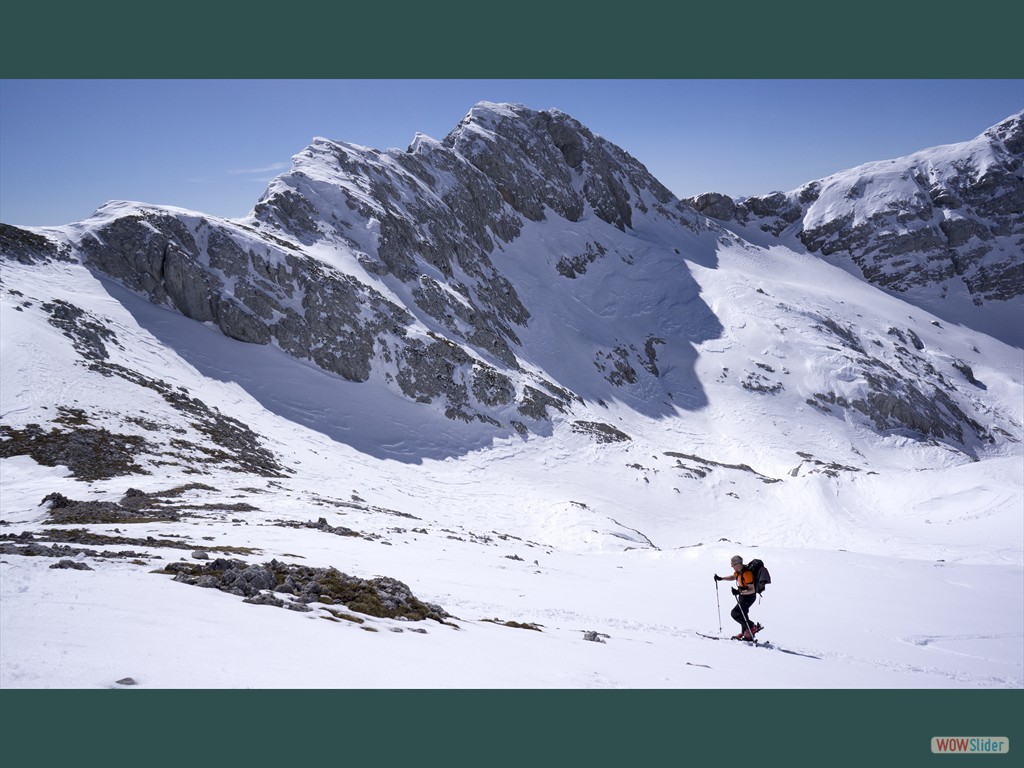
x=570 y=534
x=721 y=395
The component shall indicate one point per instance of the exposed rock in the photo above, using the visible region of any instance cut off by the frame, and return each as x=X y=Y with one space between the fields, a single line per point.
x=73 y=564
x=89 y=334
x=391 y=267
x=603 y=433
x=704 y=466
x=228 y=442
x=773 y=213
x=715 y=205
x=382 y=597
x=944 y=219
x=968 y=373
x=24 y=545
x=29 y=247
x=90 y=453
x=321 y=525
x=535 y=404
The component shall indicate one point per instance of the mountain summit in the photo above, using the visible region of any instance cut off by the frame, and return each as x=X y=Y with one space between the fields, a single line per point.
x=942 y=228
x=505 y=380
x=523 y=267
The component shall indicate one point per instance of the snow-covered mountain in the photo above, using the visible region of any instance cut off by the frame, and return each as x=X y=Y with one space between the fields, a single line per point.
x=561 y=396
x=943 y=228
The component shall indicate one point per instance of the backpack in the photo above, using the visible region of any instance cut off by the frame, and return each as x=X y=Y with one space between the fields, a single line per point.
x=761 y=576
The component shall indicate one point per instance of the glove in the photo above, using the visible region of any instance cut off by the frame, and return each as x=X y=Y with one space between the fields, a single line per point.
x=735 y=591
x=717 y=577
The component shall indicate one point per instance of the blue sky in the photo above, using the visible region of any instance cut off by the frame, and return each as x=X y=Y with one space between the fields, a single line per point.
x=68 y=146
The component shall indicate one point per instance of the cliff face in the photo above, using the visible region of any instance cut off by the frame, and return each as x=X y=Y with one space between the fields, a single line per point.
x=944 y=226
x=381 y=262
x=523 y=269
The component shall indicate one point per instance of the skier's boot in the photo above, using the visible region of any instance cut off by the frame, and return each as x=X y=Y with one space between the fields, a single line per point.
x=755 y=629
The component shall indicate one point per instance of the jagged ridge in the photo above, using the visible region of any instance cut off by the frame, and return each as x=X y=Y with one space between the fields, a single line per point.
x=407 y=268
x=943 y=227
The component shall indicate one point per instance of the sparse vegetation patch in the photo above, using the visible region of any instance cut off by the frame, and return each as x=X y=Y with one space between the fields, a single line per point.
x=514 y=624
x=321 y=525
x=90 y=453
x=603 y=433
x=706 y=465
x=382 y=597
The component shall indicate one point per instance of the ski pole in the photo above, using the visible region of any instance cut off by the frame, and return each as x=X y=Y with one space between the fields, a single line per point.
x=717 y=600
x=744 y=615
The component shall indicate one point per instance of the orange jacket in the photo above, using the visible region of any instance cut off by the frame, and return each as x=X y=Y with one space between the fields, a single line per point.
x=744 y=579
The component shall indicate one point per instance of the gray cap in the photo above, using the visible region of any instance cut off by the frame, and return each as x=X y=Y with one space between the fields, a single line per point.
x=736 y=559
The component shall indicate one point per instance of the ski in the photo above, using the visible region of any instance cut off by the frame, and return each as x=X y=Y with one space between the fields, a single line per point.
x=721 y=637
x=760 y=644
x=768 y=644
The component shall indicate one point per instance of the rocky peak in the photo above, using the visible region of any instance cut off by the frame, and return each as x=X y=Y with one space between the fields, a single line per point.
x=943 y=227
x=429 y=271
x=1010 y=132
x=547 y=159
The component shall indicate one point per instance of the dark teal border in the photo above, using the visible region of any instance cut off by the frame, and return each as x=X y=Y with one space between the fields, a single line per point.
x=524 y=39
x=498 y=728
x=188 y=39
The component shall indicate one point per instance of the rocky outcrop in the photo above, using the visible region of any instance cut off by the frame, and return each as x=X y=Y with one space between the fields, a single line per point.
x=404 y=269
x=898 y=390
x=382 y=597
x=535 y=159
x=28 y=247
x=715 y=205
x=945 y=220
x=266 y=290
x=419 y=303
x=90 y=453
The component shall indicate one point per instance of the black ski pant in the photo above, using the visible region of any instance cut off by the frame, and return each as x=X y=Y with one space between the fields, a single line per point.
x=739 y=613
